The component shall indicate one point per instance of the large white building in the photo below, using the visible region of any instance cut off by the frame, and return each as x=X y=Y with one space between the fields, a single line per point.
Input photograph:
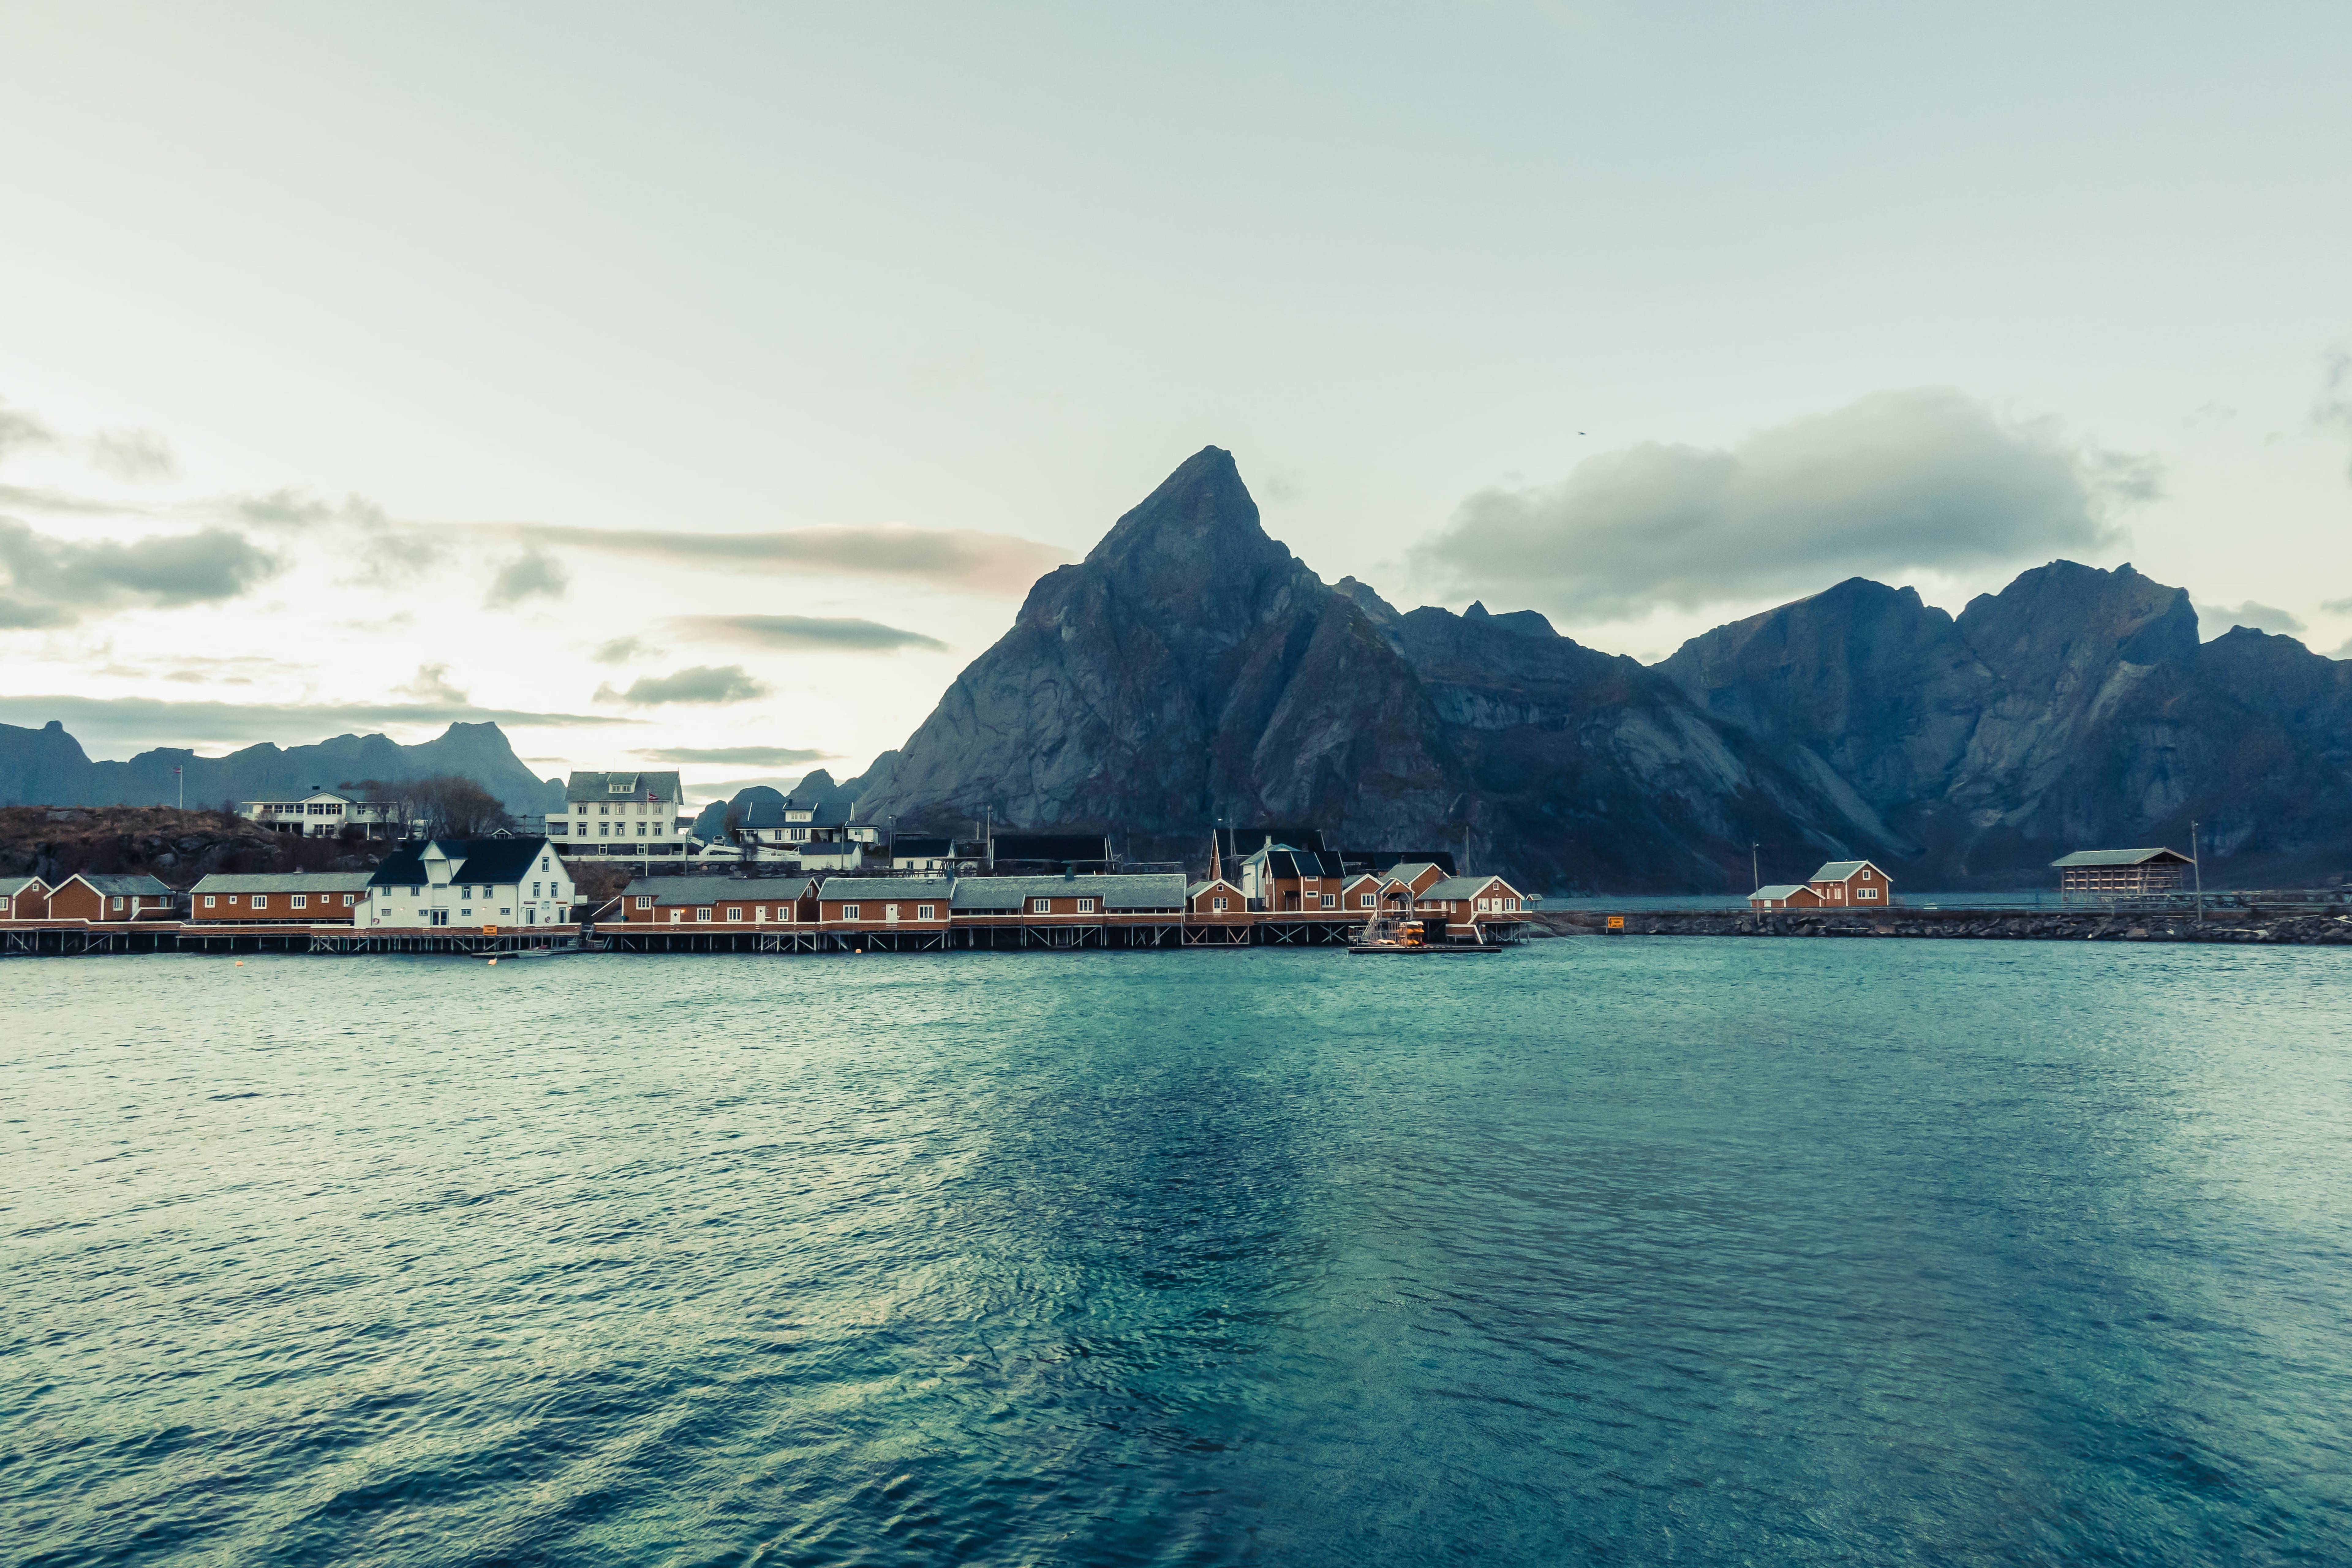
x=325 y=815
x=621 y=813
x=506 y=884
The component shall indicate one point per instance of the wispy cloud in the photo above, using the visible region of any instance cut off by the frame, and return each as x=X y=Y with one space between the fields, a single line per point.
x=533 y=574
x=132 y=455
x=620 y=651
x=382 y=551
x=432 y=684
x=946 y=558
x=19 y=430
x=779 y=632
x=2215 y=619
x=703 y=683
x=2334 y=409
x=1897 y=481
x=59 y=503
x=737 y=756
x=55 y=582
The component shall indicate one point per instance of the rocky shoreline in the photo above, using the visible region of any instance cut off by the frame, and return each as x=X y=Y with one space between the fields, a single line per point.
x=2234 y=926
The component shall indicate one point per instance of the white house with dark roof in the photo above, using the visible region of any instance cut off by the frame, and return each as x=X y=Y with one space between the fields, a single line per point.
x=510 y=883
x=324 y=813
x=633 y=814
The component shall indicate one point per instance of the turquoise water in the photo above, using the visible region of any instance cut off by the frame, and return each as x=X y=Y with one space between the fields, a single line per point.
x=1674 y=1251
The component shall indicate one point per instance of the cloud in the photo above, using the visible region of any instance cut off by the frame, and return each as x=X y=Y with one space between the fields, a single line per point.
x=132 y=455
x=2334 y=409
x=59 y=503
x=533 y=574
x=843 y=635
x=948 y=558
x=19 y=430
x=620 y=651
x=383 y=551
x=2337 y=606
x=1897 y=480
x=703 y=683
x=2216 y=619
x=54 y=582
x=432 y=685
x=737 y=756
x=148 y=721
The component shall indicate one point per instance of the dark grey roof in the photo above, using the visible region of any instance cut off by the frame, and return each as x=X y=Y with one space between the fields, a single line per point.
x=666 y=890
x=1124 y=890
x=1240 y=843
x=1376 y=859
x=483 y=859
x=908 y=845
x=1290 y=864
x=597 y=786
x=286 y=882
x=891 y=889
x=2117 y=858
x=1056 y=847
x=122 y=886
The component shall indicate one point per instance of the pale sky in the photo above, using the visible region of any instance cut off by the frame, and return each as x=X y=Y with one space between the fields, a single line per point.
x=365 y=367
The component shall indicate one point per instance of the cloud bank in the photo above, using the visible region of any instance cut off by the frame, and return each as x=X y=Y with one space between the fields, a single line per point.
x=55 y=581
x=839 y=634
x=2214 y=620
x=153 y=721
x=1897 y=481
x=703 y=683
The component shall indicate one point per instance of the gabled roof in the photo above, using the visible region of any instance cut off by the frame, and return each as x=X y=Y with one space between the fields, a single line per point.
x=1052 y=847
x=669 y=890
x=1407 y=870
x=285 y=882
x=1197 y=888
x=888 y=889
x=1843 y=870
x=601 y=786
x=2119 y=858
x=1285 y=865
x=1781 y=890
x=122 y=887
x=474 y=859
x=1464 y=887
x=11 y=886
x=1122 y=891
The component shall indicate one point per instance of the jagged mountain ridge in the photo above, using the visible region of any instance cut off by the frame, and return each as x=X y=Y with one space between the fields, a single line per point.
x=48 y=767
x=1192 y=670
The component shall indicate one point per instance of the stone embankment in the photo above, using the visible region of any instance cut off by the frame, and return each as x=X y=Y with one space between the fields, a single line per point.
x=2300 y=928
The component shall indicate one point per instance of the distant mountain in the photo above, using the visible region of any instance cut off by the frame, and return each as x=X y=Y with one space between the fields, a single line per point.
x=1191 y=670
x=816 y=788
x=48 y=767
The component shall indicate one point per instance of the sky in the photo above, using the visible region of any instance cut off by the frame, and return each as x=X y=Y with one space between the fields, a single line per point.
x=702 y=386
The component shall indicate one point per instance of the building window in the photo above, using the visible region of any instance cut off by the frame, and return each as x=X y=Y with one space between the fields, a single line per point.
x=347 y=900
x=260 y=901
x=1217 y=904
x=1510 y=903
x=1868 y=892
x=1040 y=906
x=209 y=901
x=849 y=911
x=1364 y=901
x=603 y=811
x=583 y=811
x=1330 y=902
x=735 y=911
x=927 y=911
x=1085 y=906
x=301 y=901
x=702 y=914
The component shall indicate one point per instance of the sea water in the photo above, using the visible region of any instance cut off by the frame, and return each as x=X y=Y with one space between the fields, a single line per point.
x=1643 y=1250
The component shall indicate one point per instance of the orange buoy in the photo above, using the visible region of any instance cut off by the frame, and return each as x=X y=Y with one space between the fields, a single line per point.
x=240 y=963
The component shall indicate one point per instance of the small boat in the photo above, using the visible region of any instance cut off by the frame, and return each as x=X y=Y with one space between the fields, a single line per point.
x=1395 y=931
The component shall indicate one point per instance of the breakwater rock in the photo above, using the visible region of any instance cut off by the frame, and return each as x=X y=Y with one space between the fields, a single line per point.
x=2296 y=928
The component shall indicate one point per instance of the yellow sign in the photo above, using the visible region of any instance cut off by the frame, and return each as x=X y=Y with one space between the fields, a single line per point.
x=1616 y=922
x=489 y=930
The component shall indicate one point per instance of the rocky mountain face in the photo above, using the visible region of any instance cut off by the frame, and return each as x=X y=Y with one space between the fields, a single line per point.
x=1191 y=670
x=48 y=767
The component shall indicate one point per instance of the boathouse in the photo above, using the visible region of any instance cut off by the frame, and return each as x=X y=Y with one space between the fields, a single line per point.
x=106 y=900
x=1852 y=884
x=911 y=904
x=292 y=897
x=720 y=901
x=2103 y=876
x=1784 y=895
x=1469 y=905
x=24 y=898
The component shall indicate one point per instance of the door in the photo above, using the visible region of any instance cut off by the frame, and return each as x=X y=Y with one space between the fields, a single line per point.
x=676 y=916
x=890 y=914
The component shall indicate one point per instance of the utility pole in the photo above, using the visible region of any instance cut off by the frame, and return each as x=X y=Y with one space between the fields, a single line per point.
x=2197 y=864
x=1754 y=875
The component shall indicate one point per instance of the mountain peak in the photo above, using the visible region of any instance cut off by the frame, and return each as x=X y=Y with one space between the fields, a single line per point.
x=1200 y=519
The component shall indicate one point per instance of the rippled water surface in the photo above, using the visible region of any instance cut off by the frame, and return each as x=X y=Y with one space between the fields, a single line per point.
x=1640 y=1251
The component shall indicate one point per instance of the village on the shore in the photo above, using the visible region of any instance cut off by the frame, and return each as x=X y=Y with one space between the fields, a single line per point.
x=622 y=868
